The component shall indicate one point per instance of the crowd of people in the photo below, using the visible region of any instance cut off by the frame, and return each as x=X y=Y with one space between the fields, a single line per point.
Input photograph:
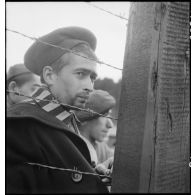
x=57 y=123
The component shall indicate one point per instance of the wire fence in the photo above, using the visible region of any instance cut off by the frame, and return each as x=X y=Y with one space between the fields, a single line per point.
x=65 y=49
x=62 y=104
x=74 y=52
x=69 y=170
x=66 y=105
x=104 y=10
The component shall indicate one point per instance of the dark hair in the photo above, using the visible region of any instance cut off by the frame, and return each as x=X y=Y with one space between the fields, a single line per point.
x=20 y=79
x=82 y=49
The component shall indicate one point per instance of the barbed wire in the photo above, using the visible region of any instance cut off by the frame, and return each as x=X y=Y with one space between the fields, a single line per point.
x=69 y=170
x=65 y=105
x=119 y=16
x=65 y=49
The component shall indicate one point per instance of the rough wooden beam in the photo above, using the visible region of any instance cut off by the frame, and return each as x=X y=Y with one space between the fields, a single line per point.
x=152 y=149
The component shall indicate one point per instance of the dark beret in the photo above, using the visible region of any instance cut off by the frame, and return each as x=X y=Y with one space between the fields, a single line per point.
x=40 y=55
x=16 y=70
x=99 y=101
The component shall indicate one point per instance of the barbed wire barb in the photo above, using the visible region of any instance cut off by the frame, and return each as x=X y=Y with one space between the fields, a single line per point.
x=119 y=16
x=65 y=105
x=65 y=49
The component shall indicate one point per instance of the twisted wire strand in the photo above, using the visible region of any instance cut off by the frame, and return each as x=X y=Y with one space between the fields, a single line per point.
x=65 y=105
x=69 y=170
x=121 y=17
x=65 y=49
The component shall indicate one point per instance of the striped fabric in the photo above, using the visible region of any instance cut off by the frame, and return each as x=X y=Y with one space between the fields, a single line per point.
x=43 y=98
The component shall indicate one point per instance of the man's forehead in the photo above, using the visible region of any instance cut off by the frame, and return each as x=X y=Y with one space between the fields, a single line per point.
x=86 y=69
x=75 y=63
x=87 y=65
x=79 y=59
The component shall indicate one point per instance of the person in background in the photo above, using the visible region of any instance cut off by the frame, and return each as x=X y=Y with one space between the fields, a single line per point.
x=44 y=147
x=95 y=128
x=21 y=80
x=111 y=140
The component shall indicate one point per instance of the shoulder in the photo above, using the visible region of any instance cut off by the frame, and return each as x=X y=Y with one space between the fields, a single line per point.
x=23 y=111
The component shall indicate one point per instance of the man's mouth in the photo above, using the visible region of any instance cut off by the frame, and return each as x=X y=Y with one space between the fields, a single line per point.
x=83 y=99
x=84 y=96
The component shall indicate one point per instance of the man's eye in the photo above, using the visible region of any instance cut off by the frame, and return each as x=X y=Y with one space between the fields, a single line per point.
x=80 y=73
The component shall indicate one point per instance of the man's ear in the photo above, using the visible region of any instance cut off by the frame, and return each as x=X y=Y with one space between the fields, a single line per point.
x=49 y=75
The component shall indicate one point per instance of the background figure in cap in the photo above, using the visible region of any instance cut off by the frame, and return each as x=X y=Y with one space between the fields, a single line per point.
x=47 y=127
x=21 y=80
x=94 y=128
x=111 y=140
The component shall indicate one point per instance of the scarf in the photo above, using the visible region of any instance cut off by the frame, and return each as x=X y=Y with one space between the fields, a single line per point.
x=46 y=101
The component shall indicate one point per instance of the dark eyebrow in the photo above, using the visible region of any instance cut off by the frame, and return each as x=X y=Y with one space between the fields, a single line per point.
x=87 y=71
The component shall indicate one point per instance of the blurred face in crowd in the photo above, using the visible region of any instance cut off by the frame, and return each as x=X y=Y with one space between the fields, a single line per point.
x=75 y=80
x=97 y=129
x=29 y=87
x=24 y=84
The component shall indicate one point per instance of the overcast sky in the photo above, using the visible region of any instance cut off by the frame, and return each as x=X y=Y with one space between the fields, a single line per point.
x=39 y=18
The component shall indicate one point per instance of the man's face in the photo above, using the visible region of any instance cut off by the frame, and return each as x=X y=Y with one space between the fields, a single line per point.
x=99 y=128
x=75 y=81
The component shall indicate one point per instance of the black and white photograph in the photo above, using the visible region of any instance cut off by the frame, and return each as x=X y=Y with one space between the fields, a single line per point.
x=97 y=97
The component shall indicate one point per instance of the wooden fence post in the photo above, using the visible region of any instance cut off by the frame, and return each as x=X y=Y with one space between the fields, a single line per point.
x=153 y=137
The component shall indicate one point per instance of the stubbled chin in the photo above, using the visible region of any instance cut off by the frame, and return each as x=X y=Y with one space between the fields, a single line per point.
x=80 y=104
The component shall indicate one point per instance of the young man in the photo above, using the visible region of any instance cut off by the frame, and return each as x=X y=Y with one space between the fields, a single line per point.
x=21 y=80
x=43 y=141
x=95 y=128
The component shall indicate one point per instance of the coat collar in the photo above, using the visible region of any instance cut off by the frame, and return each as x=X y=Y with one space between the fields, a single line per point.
x=43 y=101
x=26 y=110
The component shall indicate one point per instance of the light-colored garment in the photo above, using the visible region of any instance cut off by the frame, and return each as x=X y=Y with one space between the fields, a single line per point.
x=92 y=151
x=103 y=151
x=100 y=153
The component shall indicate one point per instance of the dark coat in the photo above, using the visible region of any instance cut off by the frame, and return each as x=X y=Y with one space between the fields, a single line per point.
x=34 y=136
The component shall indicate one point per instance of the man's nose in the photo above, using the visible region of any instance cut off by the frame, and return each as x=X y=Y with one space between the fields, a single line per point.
x=89 y=85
